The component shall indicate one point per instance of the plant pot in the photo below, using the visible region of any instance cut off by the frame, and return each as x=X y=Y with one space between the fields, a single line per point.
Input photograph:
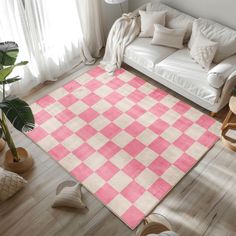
x=2 y=144
x=25 y=163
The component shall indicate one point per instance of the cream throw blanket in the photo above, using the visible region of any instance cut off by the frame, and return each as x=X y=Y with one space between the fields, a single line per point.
x=122 y=33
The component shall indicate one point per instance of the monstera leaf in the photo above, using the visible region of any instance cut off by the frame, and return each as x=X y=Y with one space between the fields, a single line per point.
x=18 y=113
x=8 y=53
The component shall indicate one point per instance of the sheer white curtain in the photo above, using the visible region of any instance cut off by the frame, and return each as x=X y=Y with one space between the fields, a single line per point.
x=13 y=27
x=92 y=25
x=54 y=35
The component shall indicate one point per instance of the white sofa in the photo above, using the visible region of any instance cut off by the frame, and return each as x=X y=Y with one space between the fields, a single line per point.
x=175 y=69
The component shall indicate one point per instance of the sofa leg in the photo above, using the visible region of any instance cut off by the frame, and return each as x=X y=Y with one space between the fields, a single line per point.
x=213 y=114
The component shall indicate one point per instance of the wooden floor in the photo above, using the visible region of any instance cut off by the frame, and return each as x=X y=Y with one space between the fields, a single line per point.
x=203 y=203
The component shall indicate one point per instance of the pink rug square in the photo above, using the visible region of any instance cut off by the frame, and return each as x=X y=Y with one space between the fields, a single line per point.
x=117 y=135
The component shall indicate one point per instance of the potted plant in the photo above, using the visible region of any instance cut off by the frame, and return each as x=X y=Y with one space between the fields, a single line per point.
x=13 y=110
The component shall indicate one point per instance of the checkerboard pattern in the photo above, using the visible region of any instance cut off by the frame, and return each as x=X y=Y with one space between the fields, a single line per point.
x=126 y=141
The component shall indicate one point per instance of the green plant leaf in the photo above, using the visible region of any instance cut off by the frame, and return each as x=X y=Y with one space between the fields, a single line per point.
x=10 y=80
x=8 y=53
x=18 y=113
x=7 y=70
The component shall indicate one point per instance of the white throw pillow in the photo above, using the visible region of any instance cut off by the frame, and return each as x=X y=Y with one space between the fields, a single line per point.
x=219 y=73
x=203 y=50
x=148 y=19
x=69 y=197
x=168 y=37
x=175 y=19
x=10 y=183
x=225 y=36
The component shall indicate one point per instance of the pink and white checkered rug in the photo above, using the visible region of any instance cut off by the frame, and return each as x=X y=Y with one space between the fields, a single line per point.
x=128 y=142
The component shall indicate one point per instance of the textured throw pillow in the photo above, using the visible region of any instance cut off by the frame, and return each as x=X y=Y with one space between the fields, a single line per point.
x=203 y=50
x=168 y=37
x=175 y=19
x=69 y=197
x=10 y=183
x=148 y=19
x=225 y=36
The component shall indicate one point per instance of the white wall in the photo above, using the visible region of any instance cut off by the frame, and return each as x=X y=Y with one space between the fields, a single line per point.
x=223 y=11
x=134 y=4
x=110 y=13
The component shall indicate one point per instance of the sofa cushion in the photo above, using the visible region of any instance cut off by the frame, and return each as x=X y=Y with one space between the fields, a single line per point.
x=168 y=37
x=174 y=19
x=225 y=36
x=148 y=19
x=182 y=71
x=146 y=55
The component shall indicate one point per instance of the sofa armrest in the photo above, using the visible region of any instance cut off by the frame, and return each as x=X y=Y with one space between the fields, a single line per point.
x=218 y=75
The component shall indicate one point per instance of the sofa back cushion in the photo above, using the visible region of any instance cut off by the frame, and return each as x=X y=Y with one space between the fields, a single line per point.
x=148 y=19
x=168 y=37
x=175 y=19
x=216 y=32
